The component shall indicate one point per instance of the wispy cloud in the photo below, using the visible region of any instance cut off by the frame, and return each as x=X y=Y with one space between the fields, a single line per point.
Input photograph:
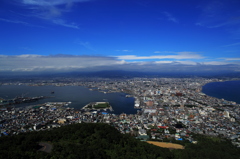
x=219 y=23
x=217 y=63
x=68 y=3
x=86 y=45
x=234 y=44
x=26 y=56
x=51 y=10
x=125 y=50
x=231 y=59
x=226 y=23
x=63 y=23
x=191 y=63
x=20 y=22
x=26 y=48
x=170 y=17
x=179 y=55
x=164 y=52
x=220 y=14
x=14 y=21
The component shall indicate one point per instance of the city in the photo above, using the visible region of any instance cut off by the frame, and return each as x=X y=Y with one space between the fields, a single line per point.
x=119 y=79
x=168 y=109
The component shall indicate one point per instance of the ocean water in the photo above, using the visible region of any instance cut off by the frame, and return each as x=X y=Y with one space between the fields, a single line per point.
x=78 y=95
x=229 y=90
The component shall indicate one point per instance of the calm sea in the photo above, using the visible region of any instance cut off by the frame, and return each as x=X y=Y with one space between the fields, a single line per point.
x=79 y=96
x=229 y=90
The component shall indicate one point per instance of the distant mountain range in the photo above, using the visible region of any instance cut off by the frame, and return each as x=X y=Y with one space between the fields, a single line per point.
x=120 y=74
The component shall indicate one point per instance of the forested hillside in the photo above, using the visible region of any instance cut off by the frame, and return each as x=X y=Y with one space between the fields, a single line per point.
x=104 y=141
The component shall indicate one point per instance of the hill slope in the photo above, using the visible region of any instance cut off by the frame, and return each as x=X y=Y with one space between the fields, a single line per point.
x=79 y=141
x=104 y=141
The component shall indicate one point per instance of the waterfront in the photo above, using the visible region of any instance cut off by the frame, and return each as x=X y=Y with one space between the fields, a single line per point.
x=228 y=90
x=164 y=104
x=78 y=95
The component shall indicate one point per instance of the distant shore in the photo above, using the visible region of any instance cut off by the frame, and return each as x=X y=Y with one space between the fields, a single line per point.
x=223 y=90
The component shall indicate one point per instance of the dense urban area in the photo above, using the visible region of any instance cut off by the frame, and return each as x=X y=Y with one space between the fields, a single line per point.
x=168 y=109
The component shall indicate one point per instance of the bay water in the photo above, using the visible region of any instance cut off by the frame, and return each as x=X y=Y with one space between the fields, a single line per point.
x=78 y=96
x=228 y=90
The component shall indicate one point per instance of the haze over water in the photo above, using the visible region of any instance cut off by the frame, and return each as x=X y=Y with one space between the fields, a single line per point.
x=78 y=95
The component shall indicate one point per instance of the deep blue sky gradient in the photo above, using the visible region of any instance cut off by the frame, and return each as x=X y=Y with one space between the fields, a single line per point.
x=117 y=29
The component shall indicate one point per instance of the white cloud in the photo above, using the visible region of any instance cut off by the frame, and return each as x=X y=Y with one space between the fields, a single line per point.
x=163 y=62
x=57 y=62
x=177 y=62
x=3 y=56
x=215 y=63
x=65 y=63
x=180 y=55
x=193 y=63
x=28 y=56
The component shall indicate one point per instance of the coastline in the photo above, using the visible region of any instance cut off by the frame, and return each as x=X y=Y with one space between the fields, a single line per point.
x=217 y=89
x=78 y=95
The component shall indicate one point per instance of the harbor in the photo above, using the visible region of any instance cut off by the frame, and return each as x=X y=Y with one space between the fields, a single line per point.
x=169 y=108
x=78 y=95
x=20 y=100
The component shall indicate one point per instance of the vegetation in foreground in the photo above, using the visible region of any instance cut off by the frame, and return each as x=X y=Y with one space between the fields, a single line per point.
x=89 y=140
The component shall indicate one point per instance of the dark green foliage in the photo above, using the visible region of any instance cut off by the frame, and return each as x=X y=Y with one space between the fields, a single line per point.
x=79 y=141
x=104 y=105
x=208 y=148
x=103 y=141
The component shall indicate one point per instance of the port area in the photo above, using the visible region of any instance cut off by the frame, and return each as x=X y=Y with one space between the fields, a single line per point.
x=19 y=100
x=48 y=105
x=56 y=104
x=97 y=106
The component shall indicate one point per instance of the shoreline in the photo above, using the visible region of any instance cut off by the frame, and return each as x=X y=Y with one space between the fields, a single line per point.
x=82 y=97
x=217 y=96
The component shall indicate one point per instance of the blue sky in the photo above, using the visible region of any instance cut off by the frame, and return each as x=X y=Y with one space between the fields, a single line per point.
x=137 y=35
